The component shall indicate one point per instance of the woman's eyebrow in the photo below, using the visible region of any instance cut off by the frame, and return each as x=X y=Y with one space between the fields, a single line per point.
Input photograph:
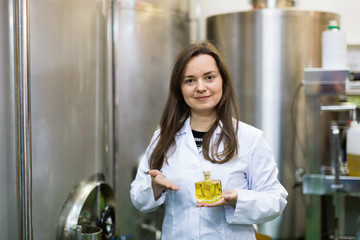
x=209 y=72
x=188 y=76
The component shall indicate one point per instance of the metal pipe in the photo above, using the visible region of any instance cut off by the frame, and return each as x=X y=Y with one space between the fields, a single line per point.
x=335 y=155
x=338 y=108
x=336 y=185
x=22 y=86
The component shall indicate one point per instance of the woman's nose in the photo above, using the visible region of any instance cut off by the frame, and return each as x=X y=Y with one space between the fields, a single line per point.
x=201 y=86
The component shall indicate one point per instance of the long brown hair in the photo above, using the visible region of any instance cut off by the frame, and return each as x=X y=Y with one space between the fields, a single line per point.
x=176 y=111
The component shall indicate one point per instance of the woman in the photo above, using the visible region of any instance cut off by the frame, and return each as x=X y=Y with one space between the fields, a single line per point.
x=202 y=103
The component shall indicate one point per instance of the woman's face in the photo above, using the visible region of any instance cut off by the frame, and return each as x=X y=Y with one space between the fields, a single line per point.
x=201 y=85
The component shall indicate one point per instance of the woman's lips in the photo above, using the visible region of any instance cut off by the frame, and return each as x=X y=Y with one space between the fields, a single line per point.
x=203 y=98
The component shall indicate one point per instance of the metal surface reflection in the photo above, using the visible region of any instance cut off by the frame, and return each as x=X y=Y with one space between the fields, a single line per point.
x=9 y=224
x=147 y=37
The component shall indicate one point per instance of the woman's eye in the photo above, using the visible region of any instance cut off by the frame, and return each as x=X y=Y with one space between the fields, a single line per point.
x=210 y=77
x=188 y=81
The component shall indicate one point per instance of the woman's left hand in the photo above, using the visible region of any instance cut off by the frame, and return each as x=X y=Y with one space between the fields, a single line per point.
x=229 y=198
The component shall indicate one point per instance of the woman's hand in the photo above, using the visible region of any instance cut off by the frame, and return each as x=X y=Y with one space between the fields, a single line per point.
x=160 y=183
x=229 y=198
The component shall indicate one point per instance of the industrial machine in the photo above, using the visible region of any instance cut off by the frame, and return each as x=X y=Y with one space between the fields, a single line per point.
x=82 y=87
x=55 y=121
x=332 y=196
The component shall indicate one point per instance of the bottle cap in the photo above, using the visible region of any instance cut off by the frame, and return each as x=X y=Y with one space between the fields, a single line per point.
x=333 y=24
x=206 y=172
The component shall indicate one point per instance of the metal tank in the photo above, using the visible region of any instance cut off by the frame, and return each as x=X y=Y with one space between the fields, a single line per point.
x=267 y=50
x=147 y=37
x=55 y=57
x=8 y=187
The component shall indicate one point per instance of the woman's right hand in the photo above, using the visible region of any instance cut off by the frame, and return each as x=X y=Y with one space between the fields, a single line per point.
x=160 y=183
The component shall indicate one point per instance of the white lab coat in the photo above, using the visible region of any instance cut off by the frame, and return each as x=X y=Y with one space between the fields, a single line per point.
x=253 y=174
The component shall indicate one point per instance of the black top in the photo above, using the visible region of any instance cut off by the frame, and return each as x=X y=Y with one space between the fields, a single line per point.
x=198 y=136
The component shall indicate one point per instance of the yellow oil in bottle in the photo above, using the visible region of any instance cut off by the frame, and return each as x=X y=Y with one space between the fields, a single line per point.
x=208 y=190
x=353 y=164
x=352 y=149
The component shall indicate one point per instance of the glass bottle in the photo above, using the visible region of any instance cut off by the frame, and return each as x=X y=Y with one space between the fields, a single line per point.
x=208 y=190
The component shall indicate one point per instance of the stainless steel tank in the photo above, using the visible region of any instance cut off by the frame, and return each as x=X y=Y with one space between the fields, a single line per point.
x=69 y=52
x=267 y=50
x=147 y=37
x=8 y=186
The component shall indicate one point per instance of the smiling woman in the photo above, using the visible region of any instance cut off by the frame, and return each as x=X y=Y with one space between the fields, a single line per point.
x=202 y=101
x=202 y=90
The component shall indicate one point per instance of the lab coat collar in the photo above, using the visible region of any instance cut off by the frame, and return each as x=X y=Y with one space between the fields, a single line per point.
x=186 y=128
x=186 y=132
